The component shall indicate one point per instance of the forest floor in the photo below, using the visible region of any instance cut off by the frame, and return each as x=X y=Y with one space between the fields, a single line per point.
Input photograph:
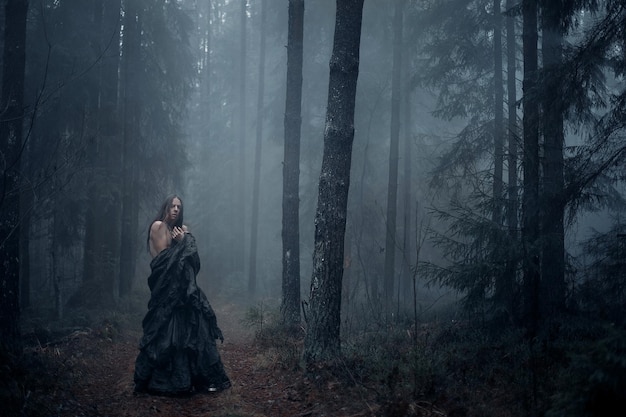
x=84 y=367
x=89 y=372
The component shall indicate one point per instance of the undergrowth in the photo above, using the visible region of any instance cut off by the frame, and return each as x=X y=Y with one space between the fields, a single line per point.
x=592 y=380
x=280 y=346
x=27 y=377
x=22 y=377
x=465 y=367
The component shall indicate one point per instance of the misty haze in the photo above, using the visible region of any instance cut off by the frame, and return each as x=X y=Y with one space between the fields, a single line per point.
x=312 y=208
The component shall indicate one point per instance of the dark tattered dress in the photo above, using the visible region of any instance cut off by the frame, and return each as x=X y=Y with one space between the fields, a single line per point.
x=178 y=353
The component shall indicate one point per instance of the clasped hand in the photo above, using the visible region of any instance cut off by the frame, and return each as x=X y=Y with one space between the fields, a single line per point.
x=178 y=233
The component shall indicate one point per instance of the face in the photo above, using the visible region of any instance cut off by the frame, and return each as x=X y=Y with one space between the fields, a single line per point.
x=173 y=211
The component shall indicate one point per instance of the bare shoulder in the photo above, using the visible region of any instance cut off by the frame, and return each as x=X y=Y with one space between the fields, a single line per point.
x=157 y=224
x=158 y=227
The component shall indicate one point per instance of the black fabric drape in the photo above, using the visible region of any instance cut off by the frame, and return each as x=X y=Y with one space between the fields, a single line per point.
x=178 y=353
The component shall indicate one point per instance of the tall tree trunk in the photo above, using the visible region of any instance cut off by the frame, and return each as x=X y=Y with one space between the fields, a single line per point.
x=26 y=206
x=552 y=294
x=513 y=137
x=102 y=238
x=406 y=287
x=111 y=135
x=207 y=68
x=243 y=131
x=254 y=224
x=290 y=307
x=392 y=187
x=131 y=134
x=530 y=200
x=322 y=342
x=94 y=213
x=26 y=197
x=498 y=145
x=11 y=120
x=58 y=238
x=498 y=114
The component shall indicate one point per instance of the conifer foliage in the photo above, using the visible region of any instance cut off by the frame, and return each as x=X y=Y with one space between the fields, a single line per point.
x=569 y=91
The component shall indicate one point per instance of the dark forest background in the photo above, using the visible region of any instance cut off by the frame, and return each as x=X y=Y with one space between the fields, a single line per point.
x=486 y=177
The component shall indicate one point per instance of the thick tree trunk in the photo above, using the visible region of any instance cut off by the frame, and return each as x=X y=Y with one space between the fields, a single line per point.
x=290 y=307
x=392 y=187
x=254 y=224
x=553 y=234
x=498 y=142
x=513 y=137
x=131 y=135
x=530 y=200
x=11 y=120
x=501 y=284
x=322 y=342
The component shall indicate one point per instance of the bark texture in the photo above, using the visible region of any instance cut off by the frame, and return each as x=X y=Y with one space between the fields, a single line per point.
x=290 y=307
x=322 y=341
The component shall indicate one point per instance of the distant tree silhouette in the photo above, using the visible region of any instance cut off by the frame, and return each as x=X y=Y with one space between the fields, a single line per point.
x=11 y=120
x=391 y=243
x=132 y=108
x=239 y=224
x=290 y=307
x=530 y=162
x=256 y=173
x=102 y=238
x=553 y=203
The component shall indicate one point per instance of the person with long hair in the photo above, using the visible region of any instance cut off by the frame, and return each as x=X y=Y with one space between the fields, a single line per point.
x=167 y=225
x=177 y=352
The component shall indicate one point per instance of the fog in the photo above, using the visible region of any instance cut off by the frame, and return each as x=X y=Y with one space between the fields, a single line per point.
x=453 y=245
x=215 y=175
x=110 y=131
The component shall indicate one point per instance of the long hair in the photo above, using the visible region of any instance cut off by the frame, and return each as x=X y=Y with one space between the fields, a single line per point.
x=162 y=214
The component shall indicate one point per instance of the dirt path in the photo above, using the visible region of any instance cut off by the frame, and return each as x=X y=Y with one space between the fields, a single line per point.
x=94 y=378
